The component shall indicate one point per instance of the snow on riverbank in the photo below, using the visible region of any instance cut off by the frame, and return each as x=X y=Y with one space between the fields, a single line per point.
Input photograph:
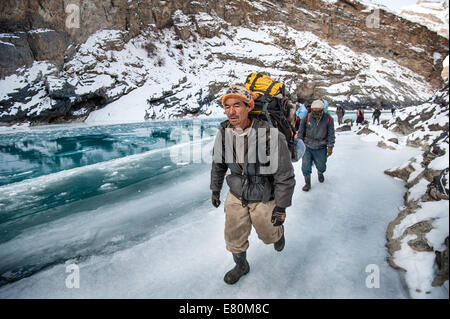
x=420 y=231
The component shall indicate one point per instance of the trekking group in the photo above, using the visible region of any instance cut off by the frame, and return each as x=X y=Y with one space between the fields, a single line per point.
x=263 y=135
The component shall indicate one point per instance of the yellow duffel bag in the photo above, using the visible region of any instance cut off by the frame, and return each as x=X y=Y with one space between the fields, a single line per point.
x=264 y=85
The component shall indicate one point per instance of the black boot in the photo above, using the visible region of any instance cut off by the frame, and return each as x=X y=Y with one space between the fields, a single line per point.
x=307 y=186
x=321 y=177
x=279 y=245
x=242 y=268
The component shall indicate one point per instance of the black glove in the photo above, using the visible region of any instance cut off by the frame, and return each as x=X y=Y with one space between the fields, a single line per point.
x=278 y=216
x=215 y=199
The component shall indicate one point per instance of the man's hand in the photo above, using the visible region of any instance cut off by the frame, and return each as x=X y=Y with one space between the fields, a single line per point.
x=278 y=216
x=215 y=199
x=329 y=151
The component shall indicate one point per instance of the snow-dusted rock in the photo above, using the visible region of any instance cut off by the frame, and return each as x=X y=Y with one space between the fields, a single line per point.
x=418 y=237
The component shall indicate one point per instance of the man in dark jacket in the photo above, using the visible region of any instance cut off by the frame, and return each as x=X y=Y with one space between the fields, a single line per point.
x=340 y=114
x=376 y=115
x=317 y=132
x=261 y=182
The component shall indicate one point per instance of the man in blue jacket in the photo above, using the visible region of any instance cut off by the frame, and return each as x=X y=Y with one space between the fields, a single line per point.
x=317 y=132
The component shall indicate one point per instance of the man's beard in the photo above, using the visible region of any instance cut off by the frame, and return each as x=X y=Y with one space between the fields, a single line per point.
x=316 y=114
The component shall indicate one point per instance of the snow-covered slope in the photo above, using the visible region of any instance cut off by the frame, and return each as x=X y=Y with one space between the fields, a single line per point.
x=208 y=66
x=175 y=78
x=177 y=62
x=432 y=14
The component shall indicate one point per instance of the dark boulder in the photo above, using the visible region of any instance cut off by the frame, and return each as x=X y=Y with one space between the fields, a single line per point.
x=15 y=52
x=344 y=128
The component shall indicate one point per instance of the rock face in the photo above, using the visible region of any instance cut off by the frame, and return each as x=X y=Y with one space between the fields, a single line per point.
x=442 y=259
x=343 y=22
x=15 y=51
x=344 y=51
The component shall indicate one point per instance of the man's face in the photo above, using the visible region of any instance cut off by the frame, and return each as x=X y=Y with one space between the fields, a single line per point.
x=237 y=112
x=316 y=112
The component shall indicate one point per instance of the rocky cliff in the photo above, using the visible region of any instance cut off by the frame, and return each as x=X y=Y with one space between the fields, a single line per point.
x=61 y=60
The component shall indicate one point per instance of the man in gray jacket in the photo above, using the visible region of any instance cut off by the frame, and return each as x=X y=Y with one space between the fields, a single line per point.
x=317 y=132
x=261 y=178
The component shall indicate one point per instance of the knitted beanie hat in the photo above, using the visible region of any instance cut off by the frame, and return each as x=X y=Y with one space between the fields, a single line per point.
x=239 y=92
x=317 y=104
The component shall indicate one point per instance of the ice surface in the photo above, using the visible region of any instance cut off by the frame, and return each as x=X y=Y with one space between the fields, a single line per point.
x=161 y=238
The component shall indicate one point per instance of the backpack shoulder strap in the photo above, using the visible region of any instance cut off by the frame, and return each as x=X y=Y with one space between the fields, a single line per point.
x=252 y=86
x=307 y=118
x=269 y=89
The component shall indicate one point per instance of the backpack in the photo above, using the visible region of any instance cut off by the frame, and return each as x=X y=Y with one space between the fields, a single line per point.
x=325 y=107
x=273 y=106
x=264 y=85
x=302 y=111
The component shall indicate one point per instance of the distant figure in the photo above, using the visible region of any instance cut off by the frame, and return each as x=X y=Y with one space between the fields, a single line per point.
x=340 y=114
x=393 y=111
x=359 y=116
x=376 y=115
x=317 y=132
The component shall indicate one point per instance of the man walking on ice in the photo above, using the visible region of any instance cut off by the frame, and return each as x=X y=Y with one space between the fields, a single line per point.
x=260 y=191
x=317 y=132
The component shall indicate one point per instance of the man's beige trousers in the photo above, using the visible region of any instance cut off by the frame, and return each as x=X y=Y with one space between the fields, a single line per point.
x=239 y=221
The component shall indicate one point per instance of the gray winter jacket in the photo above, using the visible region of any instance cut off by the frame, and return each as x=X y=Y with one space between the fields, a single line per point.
x=317 y=135
x=251 y=181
